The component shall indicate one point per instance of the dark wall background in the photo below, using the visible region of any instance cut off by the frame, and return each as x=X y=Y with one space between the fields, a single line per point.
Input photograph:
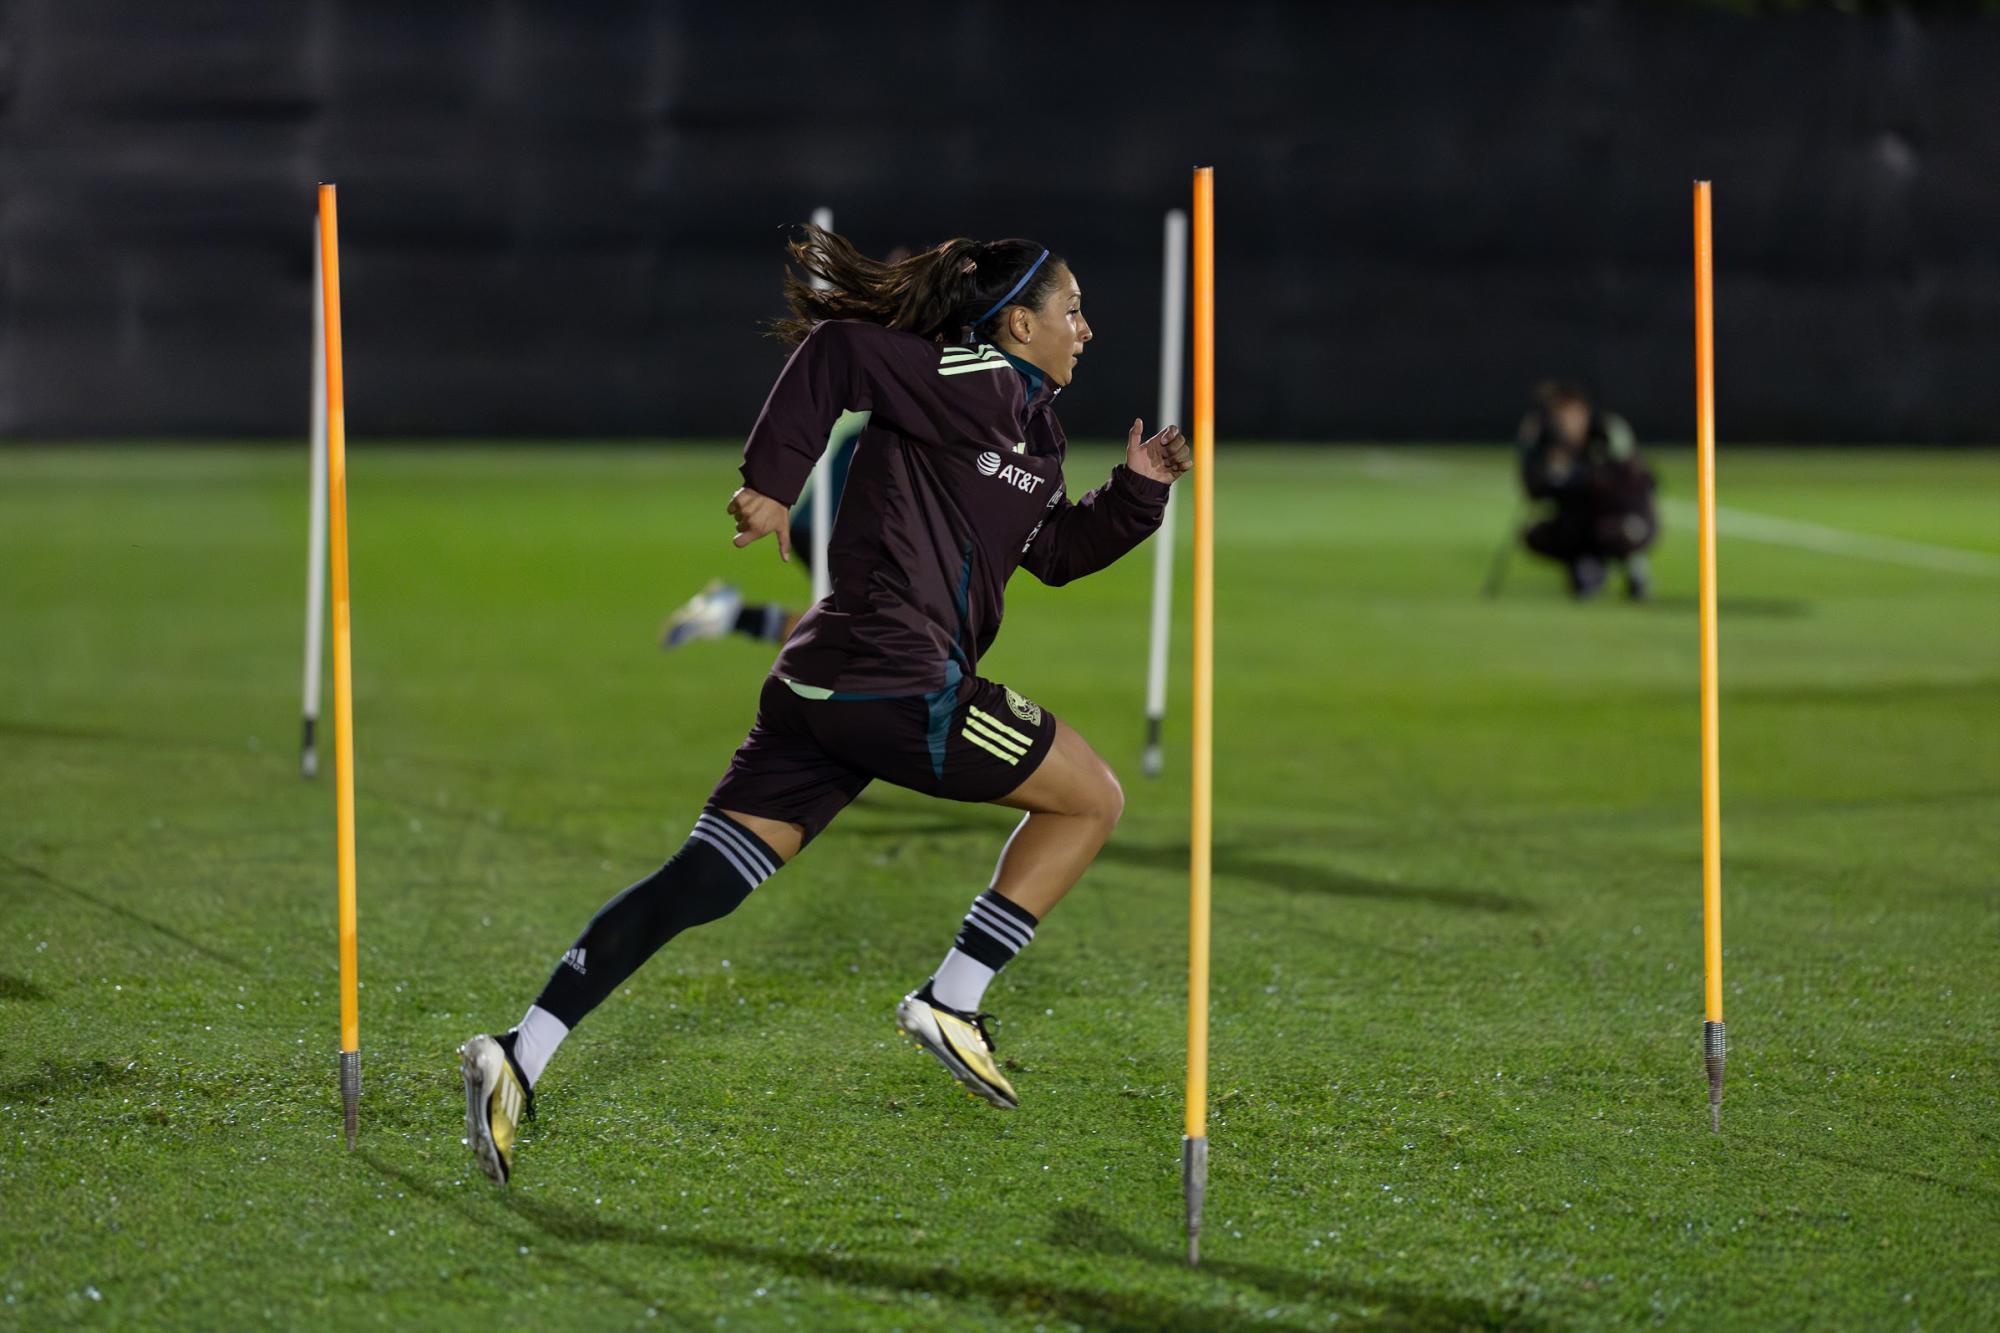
x=564 y=219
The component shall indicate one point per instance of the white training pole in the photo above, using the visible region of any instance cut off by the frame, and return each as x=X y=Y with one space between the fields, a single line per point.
x=822 y=480
x=1173 y=320
x=315 y=525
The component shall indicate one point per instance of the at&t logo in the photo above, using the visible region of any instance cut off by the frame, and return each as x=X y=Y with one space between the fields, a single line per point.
x=1018 y=477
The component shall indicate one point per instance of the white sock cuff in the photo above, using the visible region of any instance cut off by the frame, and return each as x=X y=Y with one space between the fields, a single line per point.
x=535 y=1040
x=960 y=981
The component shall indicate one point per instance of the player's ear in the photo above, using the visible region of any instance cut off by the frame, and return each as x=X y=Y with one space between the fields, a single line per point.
x=1019 y=326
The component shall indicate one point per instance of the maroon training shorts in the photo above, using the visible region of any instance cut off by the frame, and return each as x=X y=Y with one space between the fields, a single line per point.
x=806 y=758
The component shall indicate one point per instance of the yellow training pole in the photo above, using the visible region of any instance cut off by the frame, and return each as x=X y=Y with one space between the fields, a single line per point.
x=1714 y=1046
x=343 y=665
x=1194 y=1147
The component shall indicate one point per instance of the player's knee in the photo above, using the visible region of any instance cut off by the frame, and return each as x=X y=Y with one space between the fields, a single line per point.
x=1077 y=784
x=1107 y=797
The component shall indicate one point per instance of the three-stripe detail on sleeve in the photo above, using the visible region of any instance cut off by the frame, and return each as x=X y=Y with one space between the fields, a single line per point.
x=969 y=360
x=995 y=737
x=750 y=858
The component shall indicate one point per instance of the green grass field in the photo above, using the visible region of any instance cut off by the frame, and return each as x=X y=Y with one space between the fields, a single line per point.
x=1457 y=1000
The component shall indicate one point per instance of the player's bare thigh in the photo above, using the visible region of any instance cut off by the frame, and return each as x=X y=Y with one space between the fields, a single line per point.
x=1072 y=780
x=783 y=838
x=1073 y=802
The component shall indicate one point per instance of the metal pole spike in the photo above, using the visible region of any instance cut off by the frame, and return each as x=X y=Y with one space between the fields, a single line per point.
x=1194 y=1186
x=350 y=1092
x=1715 y=1052
x=1154 y=761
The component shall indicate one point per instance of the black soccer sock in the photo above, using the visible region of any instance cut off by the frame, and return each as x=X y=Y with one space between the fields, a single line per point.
x=711 y=874
x=991 y=934
x=764 y=622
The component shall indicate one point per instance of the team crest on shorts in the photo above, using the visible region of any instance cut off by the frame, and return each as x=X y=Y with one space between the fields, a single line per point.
x=1026 y=709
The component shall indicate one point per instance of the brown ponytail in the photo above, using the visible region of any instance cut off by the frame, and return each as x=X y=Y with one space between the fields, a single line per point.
x=938 y=294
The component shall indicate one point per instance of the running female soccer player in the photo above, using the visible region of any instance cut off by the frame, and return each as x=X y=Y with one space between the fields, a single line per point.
x=955 y=355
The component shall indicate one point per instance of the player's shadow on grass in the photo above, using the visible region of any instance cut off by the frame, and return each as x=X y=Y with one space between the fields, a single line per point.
x=1006 y=1295
x=21 y=989
x=1234 y=862
x=1082 y=1230
x=1074 y=1229
x=1962 y=1188
x=68 y=1081
x=36 y=873
x=1029 y=1300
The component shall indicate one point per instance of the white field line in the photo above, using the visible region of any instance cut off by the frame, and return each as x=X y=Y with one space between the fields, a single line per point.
x=1748 y=525
x=1839 y=541
x=1387 y=465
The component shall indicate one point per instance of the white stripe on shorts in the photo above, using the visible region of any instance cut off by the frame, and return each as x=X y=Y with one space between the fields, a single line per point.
x=1013 y=746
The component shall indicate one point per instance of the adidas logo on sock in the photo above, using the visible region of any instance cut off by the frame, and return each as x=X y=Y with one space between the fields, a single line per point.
x=575 y=959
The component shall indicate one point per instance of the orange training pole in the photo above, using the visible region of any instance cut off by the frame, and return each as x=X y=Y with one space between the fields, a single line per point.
x=1194 y=1146
x=1714 y=1043
x=343 y=665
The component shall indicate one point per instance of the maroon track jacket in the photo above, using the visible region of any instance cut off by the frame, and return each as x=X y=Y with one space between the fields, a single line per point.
x=957 y=479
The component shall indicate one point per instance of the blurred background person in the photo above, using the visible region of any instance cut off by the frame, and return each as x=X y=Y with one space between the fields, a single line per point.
x=719 y=609
x=1582 y=466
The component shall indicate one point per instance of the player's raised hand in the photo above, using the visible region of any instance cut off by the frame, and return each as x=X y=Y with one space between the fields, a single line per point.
x=1165 y=457
x=757 y=514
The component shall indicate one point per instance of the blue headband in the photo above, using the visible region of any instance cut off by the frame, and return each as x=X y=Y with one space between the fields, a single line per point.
x=1013 y=291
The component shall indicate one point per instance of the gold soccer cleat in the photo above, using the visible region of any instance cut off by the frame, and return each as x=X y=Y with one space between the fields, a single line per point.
x=960 y=1043
x=495 y=1104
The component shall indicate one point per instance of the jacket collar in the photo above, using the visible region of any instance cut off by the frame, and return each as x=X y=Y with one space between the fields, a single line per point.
x=1036 y=389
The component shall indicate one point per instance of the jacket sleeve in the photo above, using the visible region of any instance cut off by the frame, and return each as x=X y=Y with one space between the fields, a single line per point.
x=826 y=375
x=1082 y=538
